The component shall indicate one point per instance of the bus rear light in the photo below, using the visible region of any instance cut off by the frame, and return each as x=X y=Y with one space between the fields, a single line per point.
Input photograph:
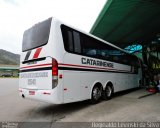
x=54 y=73
x=54 y=67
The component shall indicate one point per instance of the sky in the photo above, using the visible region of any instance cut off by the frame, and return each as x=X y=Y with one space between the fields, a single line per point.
x=18 y=15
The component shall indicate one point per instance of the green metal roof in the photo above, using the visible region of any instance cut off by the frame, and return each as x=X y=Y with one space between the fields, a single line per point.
x=128 y=22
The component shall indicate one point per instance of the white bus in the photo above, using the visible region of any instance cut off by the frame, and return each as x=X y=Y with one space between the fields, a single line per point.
x=60 y=64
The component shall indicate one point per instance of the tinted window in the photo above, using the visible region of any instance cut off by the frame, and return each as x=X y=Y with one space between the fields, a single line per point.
x=98 y=49
x=37 y=35
x=71 y=40
x=77 y=45
x=112 y=53
x=67 y=39
x=90 y=46
x=77 y=42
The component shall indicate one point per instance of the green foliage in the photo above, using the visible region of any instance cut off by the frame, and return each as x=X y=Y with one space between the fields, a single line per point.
x=8 y=58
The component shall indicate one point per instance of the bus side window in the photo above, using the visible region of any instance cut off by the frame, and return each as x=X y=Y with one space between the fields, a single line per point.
x=77 y=42
x=91 y=52
x=70 y=41
x=90 y=46
x=67 y=39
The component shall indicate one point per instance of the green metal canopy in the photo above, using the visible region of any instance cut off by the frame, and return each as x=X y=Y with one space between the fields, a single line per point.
x=128 y=22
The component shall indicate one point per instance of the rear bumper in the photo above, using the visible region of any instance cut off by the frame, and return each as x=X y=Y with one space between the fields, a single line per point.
x=49 y=96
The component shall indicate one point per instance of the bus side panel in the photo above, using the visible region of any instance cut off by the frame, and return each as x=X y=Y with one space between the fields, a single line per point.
x=71 y=86
x=89 y=79
x=79 y=81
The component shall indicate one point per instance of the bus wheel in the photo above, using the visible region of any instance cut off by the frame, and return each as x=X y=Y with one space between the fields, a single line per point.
x=96 y=94
x=107 y=93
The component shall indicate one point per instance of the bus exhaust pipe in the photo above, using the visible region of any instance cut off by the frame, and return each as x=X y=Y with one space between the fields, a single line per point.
x=23 y=96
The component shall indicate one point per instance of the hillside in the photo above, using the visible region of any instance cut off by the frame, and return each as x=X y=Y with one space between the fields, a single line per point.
x=9 y=58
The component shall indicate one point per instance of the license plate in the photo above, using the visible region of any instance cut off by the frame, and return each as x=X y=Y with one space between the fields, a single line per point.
x=31 y=92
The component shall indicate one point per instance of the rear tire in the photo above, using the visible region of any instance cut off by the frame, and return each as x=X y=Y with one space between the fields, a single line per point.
x=96 y=94
x=107 y=93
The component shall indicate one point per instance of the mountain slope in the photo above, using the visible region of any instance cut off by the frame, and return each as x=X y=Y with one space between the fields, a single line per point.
x=9 y=58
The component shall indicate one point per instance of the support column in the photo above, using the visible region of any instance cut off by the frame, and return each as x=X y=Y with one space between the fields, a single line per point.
x=144 y=54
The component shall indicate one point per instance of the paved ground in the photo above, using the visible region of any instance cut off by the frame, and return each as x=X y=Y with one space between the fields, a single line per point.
x=122 y=107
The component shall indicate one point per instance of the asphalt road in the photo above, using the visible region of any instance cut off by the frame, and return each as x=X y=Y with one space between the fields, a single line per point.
x=122 y=107
x=15 y=108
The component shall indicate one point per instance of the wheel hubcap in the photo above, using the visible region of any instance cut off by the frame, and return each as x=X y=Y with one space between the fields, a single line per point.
x=108 y=91
x=96 y=93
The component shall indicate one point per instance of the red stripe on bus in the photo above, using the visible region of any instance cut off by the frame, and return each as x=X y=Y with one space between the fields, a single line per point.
x=61 y=64
x=38 y=65
x=81 y=66
x=73 y=65
x=36 y=54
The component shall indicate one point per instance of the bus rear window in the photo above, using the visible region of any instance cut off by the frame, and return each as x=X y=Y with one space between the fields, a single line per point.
x=37 y=35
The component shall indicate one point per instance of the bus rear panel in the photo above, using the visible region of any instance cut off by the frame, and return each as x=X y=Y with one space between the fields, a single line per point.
x=39 y=66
